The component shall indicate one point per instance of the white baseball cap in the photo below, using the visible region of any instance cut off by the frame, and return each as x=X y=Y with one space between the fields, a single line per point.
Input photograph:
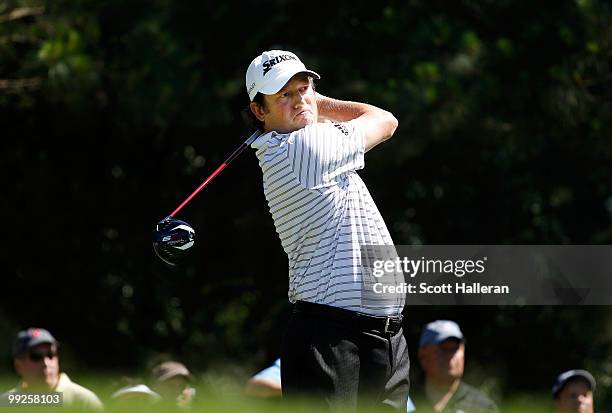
x=271 y=70
x=137 y=390
x=563 y=378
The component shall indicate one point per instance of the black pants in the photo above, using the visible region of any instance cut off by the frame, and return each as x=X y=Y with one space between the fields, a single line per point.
x=347 y=367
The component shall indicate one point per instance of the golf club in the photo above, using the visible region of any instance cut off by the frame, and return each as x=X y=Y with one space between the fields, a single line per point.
x=172 y=238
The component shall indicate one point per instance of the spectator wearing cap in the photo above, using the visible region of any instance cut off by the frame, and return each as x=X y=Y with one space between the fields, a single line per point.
x=573 y=392
x=171 y=380
x=36 y=361
x=442 y=356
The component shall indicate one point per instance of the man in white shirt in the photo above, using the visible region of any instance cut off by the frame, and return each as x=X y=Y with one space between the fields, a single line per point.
x=36 y=361
x=344 y=344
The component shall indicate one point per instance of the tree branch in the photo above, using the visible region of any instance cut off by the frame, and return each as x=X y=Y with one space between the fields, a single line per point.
x=20 y=84
x=22 y=12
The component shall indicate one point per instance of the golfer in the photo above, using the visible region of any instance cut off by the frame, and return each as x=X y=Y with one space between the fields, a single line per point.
x=344 y=343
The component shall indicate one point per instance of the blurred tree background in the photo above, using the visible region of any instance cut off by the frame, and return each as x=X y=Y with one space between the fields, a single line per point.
x=112 y=112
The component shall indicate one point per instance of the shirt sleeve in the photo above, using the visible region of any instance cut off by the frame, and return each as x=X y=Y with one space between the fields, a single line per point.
x=322 y=154
x=271 y=373
x=410 y=406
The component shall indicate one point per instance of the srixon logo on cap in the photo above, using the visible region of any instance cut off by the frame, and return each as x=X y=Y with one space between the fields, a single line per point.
x=270 y=63
x=251 y=88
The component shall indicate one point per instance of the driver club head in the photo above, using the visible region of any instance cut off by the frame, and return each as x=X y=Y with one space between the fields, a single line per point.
x=172 y=240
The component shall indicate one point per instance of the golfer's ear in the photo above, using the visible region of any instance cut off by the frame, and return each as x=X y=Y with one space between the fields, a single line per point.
x=257 y=110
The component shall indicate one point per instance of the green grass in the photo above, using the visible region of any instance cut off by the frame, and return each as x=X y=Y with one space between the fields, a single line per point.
x=225 y=396
x=241 y=405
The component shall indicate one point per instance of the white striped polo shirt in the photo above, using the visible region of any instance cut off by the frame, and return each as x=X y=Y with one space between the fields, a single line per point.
x=323 y=214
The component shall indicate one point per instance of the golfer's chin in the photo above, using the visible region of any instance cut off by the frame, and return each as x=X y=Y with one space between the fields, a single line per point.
x=298 y=123
x=305 y=119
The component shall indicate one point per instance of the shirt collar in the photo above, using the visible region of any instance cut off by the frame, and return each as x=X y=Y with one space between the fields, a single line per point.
x=63 y=382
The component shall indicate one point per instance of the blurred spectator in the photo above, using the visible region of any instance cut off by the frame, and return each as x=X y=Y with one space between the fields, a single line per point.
x=36 y=361
x=267 y=383
x=573 y=392
x=442 y=357
x=135 y=395
x=171 y=380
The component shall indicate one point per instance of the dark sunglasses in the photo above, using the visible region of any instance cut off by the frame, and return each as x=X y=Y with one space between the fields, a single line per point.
x=35 y=356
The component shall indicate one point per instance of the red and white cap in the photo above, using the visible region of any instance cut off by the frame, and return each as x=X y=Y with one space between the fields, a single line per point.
x=271 y=70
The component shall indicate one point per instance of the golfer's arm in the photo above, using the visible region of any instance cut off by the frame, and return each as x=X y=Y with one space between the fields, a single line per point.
x=378 y=125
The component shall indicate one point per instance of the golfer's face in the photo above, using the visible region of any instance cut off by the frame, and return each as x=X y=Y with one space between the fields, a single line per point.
x=40 y=366
x=576 y=397
x=292 y=108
